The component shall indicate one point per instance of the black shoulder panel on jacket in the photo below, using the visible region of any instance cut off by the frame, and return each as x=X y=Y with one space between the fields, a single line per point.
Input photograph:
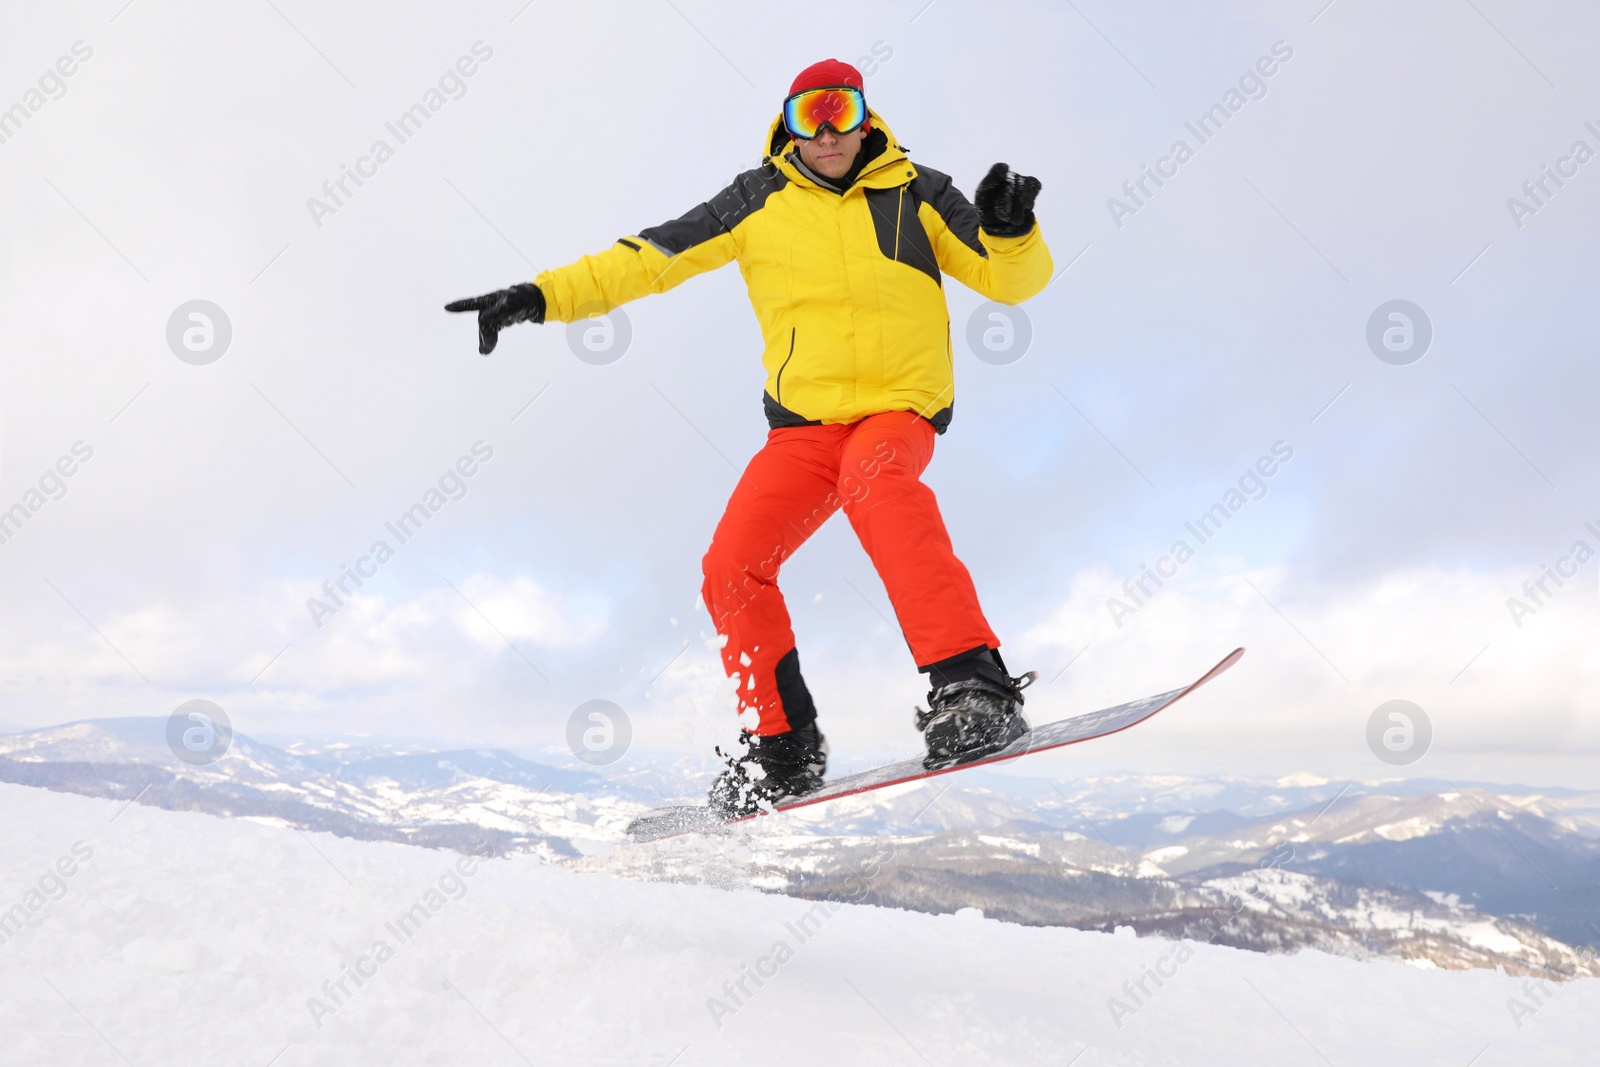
x=743 y=196
x=901 y=236
x=940 y=192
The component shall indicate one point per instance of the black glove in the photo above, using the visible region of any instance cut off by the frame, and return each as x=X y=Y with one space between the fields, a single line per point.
x=1005 y=202
x=497 y=310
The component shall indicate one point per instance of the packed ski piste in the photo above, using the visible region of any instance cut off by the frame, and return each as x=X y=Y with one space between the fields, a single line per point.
x=843 y=243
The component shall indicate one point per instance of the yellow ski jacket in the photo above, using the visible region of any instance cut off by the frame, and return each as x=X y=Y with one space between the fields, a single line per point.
x=846 y=286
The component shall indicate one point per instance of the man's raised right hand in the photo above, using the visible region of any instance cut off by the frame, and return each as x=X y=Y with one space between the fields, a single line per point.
x=504 y=307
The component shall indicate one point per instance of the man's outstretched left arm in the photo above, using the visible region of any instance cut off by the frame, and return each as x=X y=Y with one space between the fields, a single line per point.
x=993 y=247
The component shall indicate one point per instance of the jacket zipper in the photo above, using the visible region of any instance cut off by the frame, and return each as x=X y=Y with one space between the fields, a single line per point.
x=785 y=367
x=899 y=210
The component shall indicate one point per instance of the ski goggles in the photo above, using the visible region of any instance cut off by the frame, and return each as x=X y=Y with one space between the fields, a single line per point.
x=840 y=108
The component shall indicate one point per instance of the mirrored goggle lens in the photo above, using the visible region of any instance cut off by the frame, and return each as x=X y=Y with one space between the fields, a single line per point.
x=843 y=109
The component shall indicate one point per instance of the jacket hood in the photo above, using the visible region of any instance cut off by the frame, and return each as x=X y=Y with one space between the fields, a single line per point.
x=878 y=171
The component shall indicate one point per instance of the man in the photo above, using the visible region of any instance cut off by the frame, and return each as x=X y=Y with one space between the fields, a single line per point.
x=841 y=241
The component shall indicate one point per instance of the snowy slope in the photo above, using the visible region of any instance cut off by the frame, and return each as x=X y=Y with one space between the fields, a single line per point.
x=184 y=938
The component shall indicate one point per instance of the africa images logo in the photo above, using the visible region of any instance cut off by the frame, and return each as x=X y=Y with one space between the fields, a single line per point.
x=452 y=85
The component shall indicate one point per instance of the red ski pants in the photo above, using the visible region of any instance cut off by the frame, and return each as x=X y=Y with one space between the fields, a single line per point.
x=801 y=476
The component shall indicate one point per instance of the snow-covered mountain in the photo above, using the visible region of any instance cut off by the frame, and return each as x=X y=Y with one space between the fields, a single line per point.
x=473 y=800
x=1451 y=875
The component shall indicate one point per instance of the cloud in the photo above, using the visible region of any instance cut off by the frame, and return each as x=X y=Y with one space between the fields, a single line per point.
x=1320 y=658
x=426 y=653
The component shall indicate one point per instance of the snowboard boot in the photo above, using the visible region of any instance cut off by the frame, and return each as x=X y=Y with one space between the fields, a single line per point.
x=773 y=769
x=976 y=714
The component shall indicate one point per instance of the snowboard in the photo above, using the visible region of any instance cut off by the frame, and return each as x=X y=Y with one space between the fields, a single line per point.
x=671 y=822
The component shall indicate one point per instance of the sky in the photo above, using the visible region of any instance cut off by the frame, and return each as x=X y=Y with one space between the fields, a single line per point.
x=1195 y=329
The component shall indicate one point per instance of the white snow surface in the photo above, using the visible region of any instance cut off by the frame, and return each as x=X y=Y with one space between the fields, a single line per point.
x=191 y=939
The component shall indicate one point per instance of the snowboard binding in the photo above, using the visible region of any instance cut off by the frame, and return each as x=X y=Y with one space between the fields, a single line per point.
x=974 y=717
x=790 y=765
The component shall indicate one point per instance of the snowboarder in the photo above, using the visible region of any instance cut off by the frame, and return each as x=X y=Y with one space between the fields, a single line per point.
x=841 y=241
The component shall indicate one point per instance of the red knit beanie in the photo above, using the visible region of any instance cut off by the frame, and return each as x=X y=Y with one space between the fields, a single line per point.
x=828 y=72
